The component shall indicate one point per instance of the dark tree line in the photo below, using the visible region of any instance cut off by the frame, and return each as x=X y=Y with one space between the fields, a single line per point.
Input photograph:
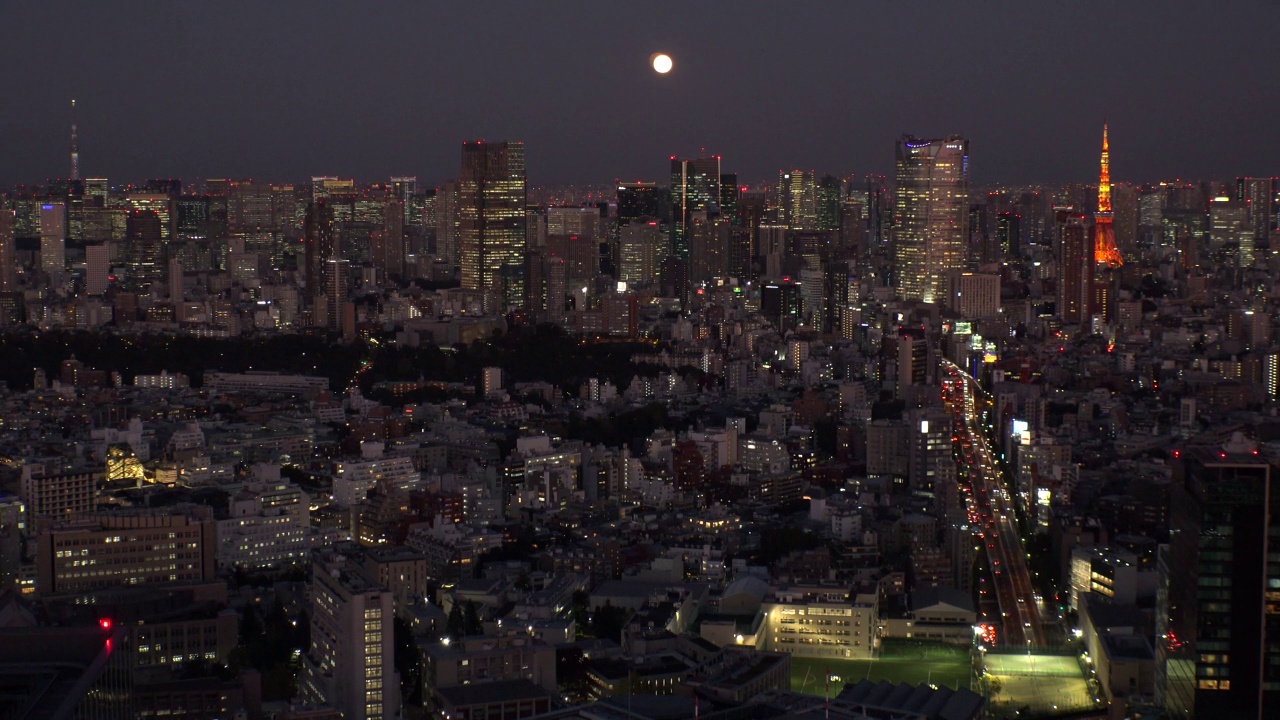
x=541 y=353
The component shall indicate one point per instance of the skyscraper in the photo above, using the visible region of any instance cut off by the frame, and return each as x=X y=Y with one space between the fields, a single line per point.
x=336 y=285
x=1008 y=233
x=8 y=253
x=97 y=269
x=321 y=244
x=1075 y=268
x=1218 y=605
x=695 y=185
x=1105 y=251
x=447 y=224
x=730 y=195
x=160 y=203
x=491 y=220
x=798 y=198
x=1230 y=230
x=144 y=246
x=53 y=237
x=931 y=214
x=1124 y=218
x=1258 y=194
x=327 y=187
x=637 y=200
x=388 y=242
x=830 y=194
x=640 y=249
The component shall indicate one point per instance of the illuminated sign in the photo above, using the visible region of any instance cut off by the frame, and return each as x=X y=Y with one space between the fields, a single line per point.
x=1021 y=432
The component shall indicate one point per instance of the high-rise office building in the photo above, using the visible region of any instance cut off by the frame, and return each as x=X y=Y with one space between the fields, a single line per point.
x=839 y=297
x=8 y=253
x=1229 y=229
x=1218 y=604
x=97 y=188
x=491 y=220
x=640 y=250
x=547 y=281
x=388 y=242
x=53 y=237
x=162 y=204
x=730 y=198
x=931 y=214
x=327 y=187
x=580 y=221
x=320 y=244
x=1124 y=218
x=798 y=198
x=695 y=185
x=974 y=296
x=351 y=662
x=250 y=208
x=335 y=283
x=1008 y=233
x=97 y=269
x=637 y=200
x=446 y=248
x=1076 y=260
x=144 y=246
x=1259 y=195
x=708 y=248
x=853 y=227
x=829 y=196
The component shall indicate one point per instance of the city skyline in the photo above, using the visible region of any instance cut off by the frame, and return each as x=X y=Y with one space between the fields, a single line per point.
x=242 y=98
x=430 y=361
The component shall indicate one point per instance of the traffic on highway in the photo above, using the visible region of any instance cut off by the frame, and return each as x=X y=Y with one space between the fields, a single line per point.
x=1008 y=603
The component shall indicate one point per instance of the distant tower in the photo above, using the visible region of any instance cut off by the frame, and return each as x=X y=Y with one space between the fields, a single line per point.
x=75 y=145
x=1105 y=251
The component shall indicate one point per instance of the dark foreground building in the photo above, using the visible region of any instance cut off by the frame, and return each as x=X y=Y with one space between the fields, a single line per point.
x=1219 y=605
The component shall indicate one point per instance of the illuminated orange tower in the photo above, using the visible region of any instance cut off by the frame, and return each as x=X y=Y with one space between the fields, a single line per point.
x=1105 y=251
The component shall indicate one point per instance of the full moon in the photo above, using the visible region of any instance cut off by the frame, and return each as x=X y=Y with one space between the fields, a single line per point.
x=662 y=64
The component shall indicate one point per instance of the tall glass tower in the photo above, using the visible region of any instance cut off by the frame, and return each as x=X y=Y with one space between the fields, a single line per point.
x=491 y=220
x=695 y=185
x=931 y=214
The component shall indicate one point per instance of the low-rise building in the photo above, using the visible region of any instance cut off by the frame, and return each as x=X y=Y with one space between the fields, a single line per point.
x=825 y=621
x=126 y=547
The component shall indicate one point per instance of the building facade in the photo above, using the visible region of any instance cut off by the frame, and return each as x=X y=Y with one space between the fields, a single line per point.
x=491 y=220
x=350 y=664
x=931 y=214
x=1218 y=606
x=126 y=548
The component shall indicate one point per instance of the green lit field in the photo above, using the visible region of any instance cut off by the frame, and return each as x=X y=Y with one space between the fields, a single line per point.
x=1047 y=684
x=914 y=663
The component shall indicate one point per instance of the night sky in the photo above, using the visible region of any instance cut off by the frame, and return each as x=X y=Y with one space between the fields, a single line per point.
x=284 y=90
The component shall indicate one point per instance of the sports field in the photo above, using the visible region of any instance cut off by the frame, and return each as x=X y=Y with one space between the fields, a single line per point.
x=1047 y=684
x=914 y=663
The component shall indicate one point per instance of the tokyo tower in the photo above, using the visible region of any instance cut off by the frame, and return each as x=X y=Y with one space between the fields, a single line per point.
x=1105 y=251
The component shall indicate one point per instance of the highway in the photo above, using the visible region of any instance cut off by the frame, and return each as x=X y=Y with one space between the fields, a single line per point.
x=991 y=511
